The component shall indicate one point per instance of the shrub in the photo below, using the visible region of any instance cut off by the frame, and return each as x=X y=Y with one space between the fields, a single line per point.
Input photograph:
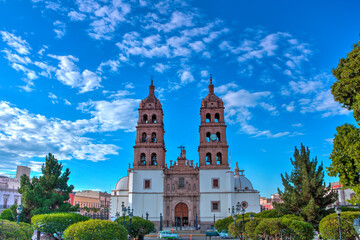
x=269 y=227
x=300 y=230
x=95 y=230
x=272 y=213
x=7 y=215
x=56 y=223
x=329 y=227
x=11 y=231
x=223 y=224
x=138 y=228
x=27 y=229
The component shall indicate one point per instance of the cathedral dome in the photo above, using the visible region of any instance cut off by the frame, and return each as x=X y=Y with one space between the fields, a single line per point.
x=122 y=184
x=242 y=183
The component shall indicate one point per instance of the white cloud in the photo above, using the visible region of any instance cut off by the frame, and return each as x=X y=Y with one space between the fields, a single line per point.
x=297 y=125
x=185 y=76
x=59 y=29
x=15 y=42
x=204 y=73
x=198 y=46
x=305 y=87
x=323 y=102
x=159 y=67
x=289 y=107
x=69 y=74
x=113 y=64
x=76 y=16
x=222 y=89
x=24 y=135
x=178 y=20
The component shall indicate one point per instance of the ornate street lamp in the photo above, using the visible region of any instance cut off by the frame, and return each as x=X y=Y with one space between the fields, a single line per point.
x=338 y=212
x=131 y=214
x=161 y=223
x=18 y=211
x=235 y=211
x=147 y=216
x=123 y=209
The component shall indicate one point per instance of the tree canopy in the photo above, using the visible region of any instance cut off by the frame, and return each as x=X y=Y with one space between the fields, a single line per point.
x=346 y=150
x=49 y=192
x=304 y=191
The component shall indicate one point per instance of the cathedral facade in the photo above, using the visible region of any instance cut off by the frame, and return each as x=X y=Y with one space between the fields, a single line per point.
x=184 y=193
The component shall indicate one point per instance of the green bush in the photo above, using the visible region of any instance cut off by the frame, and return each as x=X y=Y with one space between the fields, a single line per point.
x=299 y=230
x=223 y=224
x=269 y=227
x=56 y=223
x=272 y=213
x=28 y=229
x=7 y=215
x=95 y=230
x=11 y=231
x=138 y=228
x=329 y=227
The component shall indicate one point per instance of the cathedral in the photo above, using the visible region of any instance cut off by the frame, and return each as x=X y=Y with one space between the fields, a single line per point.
x=183 y=193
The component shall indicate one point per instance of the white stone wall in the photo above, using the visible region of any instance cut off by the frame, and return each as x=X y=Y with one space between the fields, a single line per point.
x=208 y=194
x=116 y=201
x=147 y=200
x=252 y=198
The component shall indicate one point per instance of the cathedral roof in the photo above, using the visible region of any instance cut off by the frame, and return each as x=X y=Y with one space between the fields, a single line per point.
x=151 y=97
x=122 y=184
x=211 y=97
x=242 y=183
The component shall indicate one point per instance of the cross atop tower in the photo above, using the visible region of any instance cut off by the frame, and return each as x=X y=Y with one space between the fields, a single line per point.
x=183 y=152
x=152 y=87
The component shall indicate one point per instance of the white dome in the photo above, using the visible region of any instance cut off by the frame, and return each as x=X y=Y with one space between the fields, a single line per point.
x=122 y=184
x=242 y=183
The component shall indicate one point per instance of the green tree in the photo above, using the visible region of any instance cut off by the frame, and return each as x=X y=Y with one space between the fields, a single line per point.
x=346 y=150
x=48 y=193
x=304 y=192
x=138 y=227
x=7 y=215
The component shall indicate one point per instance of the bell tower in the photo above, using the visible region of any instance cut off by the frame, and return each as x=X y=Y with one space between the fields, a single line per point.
x=213 y=148
x=149 y=149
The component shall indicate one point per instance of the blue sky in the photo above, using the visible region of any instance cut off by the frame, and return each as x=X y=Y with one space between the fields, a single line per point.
x=72 y=74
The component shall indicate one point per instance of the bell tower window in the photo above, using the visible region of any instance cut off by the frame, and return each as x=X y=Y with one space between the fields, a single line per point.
x=153 y=119
x=208 y=159
x=153 y=137
x=218 y=159
x=153 y=159
x=143 y=138
x=217 y=117
x=142 y=159
x=208 y=117
x=218 y=136
x=145 y=118
x=208 y=137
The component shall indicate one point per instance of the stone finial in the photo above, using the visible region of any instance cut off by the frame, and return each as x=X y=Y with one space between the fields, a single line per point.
x=237 y=170
x=211 y=86
x=152 y=87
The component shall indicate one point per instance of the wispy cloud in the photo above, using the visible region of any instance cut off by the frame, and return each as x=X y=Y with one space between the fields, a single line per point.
x=16 y=42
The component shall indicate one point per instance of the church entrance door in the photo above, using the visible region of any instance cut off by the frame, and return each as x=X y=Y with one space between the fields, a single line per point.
x=181 y=214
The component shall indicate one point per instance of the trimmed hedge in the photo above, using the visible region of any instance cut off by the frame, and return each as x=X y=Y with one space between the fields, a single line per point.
x=95 y=230
x=28 y=229
x=329 y=227
x=7 y=215
x=11 y=231
x=56 y=223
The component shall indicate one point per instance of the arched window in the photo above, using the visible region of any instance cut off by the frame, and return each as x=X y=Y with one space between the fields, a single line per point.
x=208 y=137
x=153 y=118
x=217 y=117
x=143 y=138
x=153 y=137
x=142 y=159
x=218 y=159
x=208 y=117
x=218 y=136
x=153 y=159
x=145 y=118
x=208 y=159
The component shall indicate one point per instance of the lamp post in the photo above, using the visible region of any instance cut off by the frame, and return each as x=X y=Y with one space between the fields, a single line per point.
x=147 y=216
x=252 y=217
x=235 y=211
x=18 y=211
x=161 y=223
x=338 y=212
x=123 y=210
x=117 y=216
x=131 y=214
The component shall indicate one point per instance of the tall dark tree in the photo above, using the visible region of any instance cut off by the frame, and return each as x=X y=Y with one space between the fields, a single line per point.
x=346 y=150
x=304 y=192
x=49 y=192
